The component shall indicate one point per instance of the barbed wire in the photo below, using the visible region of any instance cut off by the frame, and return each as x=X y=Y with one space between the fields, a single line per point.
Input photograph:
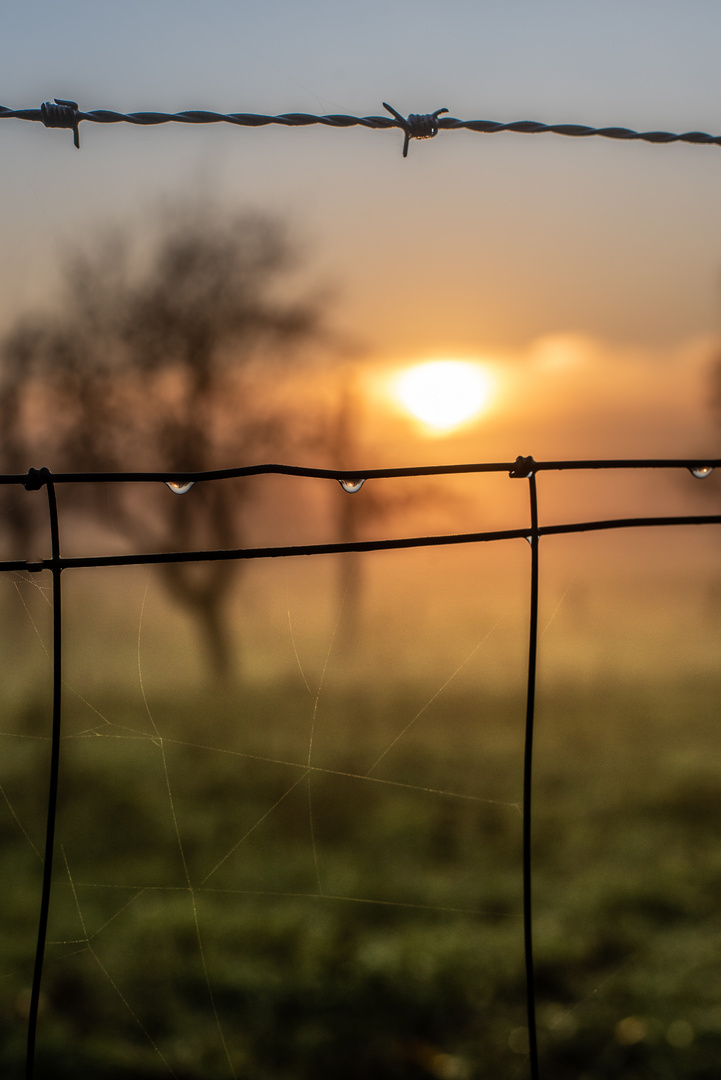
x=63 y=113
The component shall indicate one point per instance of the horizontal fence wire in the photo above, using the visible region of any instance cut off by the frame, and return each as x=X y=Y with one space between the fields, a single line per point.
x=523 y=468
x=67 y=114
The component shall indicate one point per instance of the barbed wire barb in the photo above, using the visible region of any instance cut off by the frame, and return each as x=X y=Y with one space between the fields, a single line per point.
x=417 y=125
x=62 y=114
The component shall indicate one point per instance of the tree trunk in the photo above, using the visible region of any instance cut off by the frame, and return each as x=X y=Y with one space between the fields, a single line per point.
x=206 y=603
x=212 y=626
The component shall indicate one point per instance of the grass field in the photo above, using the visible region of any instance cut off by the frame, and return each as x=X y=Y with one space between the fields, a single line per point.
x=326 y=924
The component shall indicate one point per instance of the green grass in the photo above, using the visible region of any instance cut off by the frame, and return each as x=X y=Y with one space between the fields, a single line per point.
x=368 y=927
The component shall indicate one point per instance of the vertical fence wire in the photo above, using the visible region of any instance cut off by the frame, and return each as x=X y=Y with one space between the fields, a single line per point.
x=56 y=571
x=528 y=784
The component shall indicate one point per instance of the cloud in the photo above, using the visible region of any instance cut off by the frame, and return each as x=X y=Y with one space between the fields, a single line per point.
x=584 y=397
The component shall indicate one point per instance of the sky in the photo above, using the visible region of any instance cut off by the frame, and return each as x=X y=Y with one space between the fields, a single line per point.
x=490 y=247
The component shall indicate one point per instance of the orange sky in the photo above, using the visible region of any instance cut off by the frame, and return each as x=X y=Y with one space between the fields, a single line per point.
x=478 y=246
x=564 y=395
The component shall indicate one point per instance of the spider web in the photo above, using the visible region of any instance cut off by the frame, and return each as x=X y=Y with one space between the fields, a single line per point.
x=237 y=864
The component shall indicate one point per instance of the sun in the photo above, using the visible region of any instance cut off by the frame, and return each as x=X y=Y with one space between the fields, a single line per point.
x=444 y=394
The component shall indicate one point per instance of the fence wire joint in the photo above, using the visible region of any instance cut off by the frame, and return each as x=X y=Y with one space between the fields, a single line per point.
x=63 y=114
x=524 y=468
x=416 y=125
x=35 y=479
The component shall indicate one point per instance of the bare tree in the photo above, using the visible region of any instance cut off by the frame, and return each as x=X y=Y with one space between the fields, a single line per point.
x=162 y=360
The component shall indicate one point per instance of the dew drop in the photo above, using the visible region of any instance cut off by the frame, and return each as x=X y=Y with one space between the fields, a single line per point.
x=352 y=484
x=179 y=487
x=530 y=540
x=701 y=471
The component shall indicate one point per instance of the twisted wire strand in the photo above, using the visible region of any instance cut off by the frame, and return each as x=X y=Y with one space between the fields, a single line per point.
x=410 y=126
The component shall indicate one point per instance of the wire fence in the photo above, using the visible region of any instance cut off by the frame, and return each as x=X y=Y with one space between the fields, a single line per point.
x=66 y=114
x=523 y=468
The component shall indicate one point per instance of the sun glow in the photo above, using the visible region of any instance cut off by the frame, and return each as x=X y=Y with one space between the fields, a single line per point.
x=444 y=394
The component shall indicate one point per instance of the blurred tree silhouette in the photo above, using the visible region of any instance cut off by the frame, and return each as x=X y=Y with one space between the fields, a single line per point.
x=161 y=356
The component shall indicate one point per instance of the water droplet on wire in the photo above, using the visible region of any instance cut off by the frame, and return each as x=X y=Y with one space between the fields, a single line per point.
x=180 y=487
x=352 y=484
x=530 y=540
x=701 y=471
